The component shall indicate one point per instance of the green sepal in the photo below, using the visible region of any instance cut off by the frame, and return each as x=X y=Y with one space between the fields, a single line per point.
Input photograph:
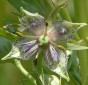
x=71 y=46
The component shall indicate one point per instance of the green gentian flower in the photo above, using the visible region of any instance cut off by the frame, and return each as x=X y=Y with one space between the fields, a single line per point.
x=39 y=34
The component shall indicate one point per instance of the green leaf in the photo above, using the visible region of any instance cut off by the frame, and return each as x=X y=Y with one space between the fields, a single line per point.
x=71 y=46
x=40 y=6
x=5 y=46
x=9 y=26
x=14 y=53
x=74 y=68
x=8 y=35
x=54 y=13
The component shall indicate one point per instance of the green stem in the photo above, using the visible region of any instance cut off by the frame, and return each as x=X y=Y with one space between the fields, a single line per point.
x=36 y=78
x=39 y=61
x=40 y=66
x=23 y=71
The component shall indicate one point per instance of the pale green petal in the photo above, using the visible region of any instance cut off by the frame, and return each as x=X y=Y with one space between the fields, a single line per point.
x=22 y=50
x=26 y=47
x=62 y=30
x=57 y=62
x=32 y=22
x=71 y=46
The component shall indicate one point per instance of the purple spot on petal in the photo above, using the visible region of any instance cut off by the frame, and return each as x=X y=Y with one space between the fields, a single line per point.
x=25 y=48
x=34 y=23
x=54 y=54
x=62 y=31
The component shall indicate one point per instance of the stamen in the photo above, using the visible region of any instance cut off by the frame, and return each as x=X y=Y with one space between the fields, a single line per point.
x=59 y=46
x=45 y=32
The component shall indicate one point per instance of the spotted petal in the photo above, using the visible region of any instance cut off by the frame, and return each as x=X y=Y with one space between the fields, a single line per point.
x=63 y=30
x=32 y=22
x=56 y=60
x=22 y=50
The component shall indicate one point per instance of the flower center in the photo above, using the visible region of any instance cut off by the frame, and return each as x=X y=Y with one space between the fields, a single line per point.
x=43 y=40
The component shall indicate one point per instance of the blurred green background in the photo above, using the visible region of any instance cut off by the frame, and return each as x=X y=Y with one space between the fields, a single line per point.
x=9 y=74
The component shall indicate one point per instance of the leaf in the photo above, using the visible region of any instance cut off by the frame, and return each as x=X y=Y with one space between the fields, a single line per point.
x=71 y=46
x=40 y=6
x=8 y=35
x=9 y=26
x=5 y=46
x=74 y=68
x=53 y=14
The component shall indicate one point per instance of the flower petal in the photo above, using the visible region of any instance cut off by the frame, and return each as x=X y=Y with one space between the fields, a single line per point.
x=30 y=52
x=63 y=30
x=23 y=50
x=53 y=53
x=23 y=40
x=56 y=60
x=27 y=48
x=33 y=22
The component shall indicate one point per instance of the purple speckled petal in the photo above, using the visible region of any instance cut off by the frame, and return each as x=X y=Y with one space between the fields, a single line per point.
x=28 y=49
x=56 y=60
x=27 y=46
x=62 y=30
x=54 y=55
x=33 y=23
x=30 y=52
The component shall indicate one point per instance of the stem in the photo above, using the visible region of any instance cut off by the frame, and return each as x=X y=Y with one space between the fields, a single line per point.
x=39 y=66
x=23 y=71
x=39 y=62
